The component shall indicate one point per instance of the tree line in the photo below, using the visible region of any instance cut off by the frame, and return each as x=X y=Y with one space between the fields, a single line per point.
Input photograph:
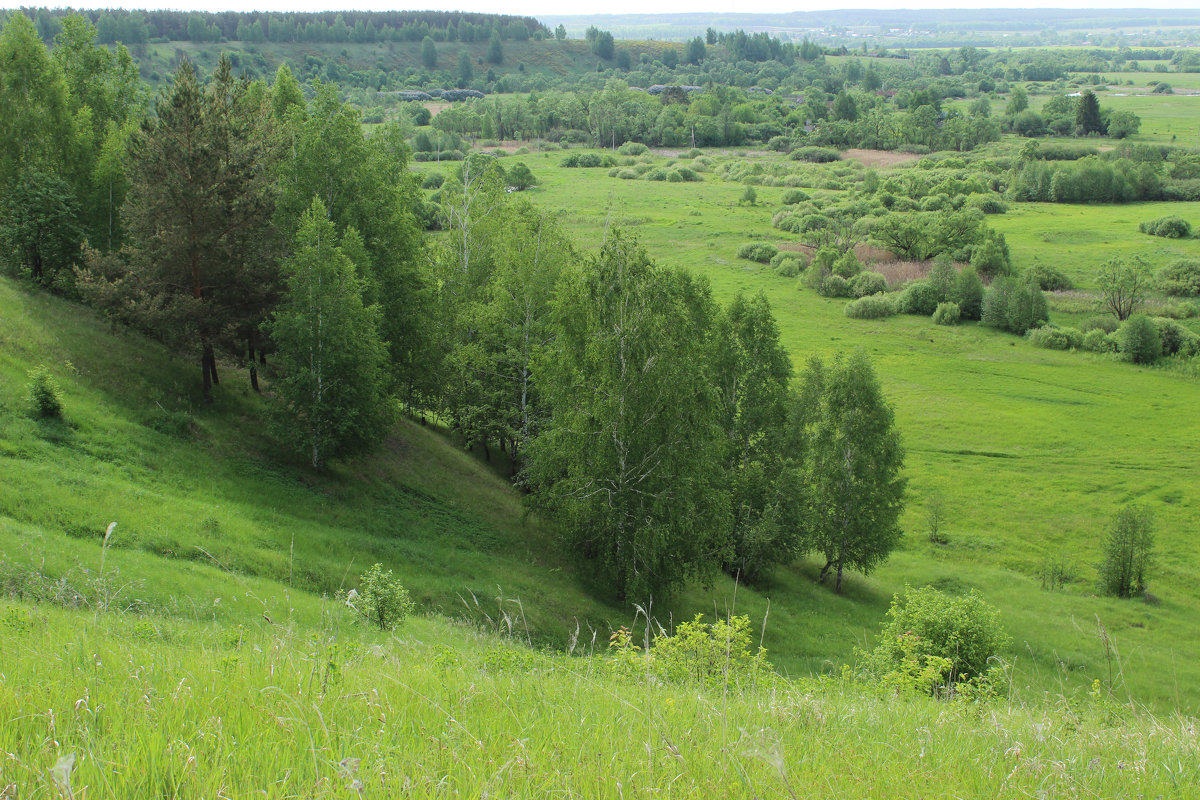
x=138 y=27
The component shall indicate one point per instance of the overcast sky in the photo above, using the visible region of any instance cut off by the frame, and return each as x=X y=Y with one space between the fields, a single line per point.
x=556 y=8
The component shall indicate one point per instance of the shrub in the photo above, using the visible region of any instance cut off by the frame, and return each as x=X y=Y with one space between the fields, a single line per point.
x=433 y=180
x=1128 y=552
x=1176 y=339
x=987 y=203
x=918 y=297
x=1097 y=341
x=1048 y=278
x=658 y=174
x=847 y=265
x=1138 y=340
x=380 y=599
x=1180 y=278
x=789 y=267
x=815 y=155
x=946 y=314
x=628 y=175
x=712 y=655
x=780 y=144
x=874 y=306
x=1169 y=227
x=45 y=400
x=632 y=149
x=968 y=293
x=1052 y=338
x=925 y=627
x=1013 y=306
x=1102 y=322
x=587 y=160
x=684 y=174
x=943 y=278
x=835 y=286
x=793 y=196
x=762 y=252
x=867 y=283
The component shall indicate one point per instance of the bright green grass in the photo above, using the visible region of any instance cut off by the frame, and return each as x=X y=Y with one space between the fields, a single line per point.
x=182 y=707
x=220 y=495
x=1079 y=238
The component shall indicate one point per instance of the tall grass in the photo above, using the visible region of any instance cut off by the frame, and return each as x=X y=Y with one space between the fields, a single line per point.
x=152 y=706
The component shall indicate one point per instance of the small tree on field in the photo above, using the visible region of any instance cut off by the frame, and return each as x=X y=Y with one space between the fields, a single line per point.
x=1123 y=285
x=428 y=53
x=935 y=517
x=854 y=467
x=1128 y=552
x=750 y=197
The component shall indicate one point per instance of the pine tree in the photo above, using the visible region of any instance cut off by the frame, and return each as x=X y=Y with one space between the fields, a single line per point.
x=332 y=401
x=1087 y=115
x=429 y=54
x=198 y=211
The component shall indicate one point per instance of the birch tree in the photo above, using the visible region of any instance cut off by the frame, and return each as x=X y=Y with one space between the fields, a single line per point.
x=331 y=400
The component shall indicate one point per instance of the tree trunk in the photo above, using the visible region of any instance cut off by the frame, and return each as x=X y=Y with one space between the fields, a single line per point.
x=208 y=366
x=207 y=378
x=824 y=571
x=487 y=452
x=838 y=589
x=253 y=366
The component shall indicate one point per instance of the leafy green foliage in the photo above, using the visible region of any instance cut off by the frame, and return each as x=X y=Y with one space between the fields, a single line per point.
x=762 y=252
x=1014 y=306
x=968 y=293
x=853 y=467
x=959 y=636
x=1128 y=552
x=1180 y=278
x=629 y=463
x=1123 y=285
x=381 y=600
x=1138 y=340
x=331 y=399
x=1169 y=227
x=714 y=655
x=868 y=283
x=946 y=314
x=1048 y=278
x=872 y=306
x=45 y=398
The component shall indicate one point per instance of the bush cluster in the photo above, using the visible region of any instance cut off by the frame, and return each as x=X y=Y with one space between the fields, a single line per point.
x=873 y=306
x=588 y=160
x=1169 y=227
x=762 y=252
x=958 y=636
x=1048 y=278
x=1180 y=278
x=946 y=314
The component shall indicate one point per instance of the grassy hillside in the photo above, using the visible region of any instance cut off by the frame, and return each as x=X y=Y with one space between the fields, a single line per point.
x=307 y=705
x=204 y=485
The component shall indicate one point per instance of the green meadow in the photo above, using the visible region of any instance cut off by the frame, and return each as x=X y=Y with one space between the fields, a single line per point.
x=1032 y=449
